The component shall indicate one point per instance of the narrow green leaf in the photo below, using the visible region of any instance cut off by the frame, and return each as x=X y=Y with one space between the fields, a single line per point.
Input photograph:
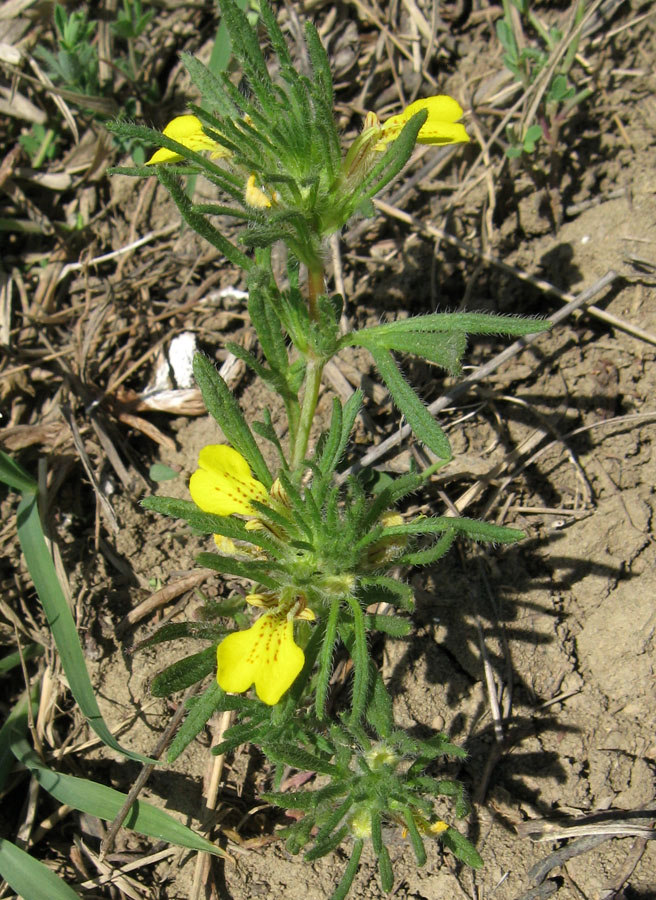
x=15 y=476
x=360 y=656
x=207 y=523
x=473 y=528
x=16 y=723
x=197 y=717
x=30 y=878
x=327 y=845
x=326 y=658
x=183 y=673
x=298 y=758
x=205 y=78
x=105 y=803
x=420 y=420
x=415 y=837
x=461 y=847
x=222 y=406
x=385 y=870
x=198 y=222
x=431 y=554
x=304 y=800
x=445 y=349
x=395 y=626
x=346 y=880
x=380 y=713
x=454 y=323
x=253 y=570
x=60 y=621
x=11 y=660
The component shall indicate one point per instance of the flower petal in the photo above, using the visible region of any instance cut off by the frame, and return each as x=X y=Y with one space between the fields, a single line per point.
x=188 y=131
x=264 y=654
x=441 y=126
x=223 y=483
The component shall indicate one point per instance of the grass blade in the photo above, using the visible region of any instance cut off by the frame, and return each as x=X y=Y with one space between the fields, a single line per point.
x=60 y=621
x=105 y=803
x=31 y=879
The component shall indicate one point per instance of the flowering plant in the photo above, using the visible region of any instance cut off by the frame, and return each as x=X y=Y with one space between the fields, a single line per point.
x=319 y=552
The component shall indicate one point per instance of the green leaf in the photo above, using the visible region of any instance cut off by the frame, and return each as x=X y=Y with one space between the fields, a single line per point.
x=14 y=476
x=105 y=803
x=183 y=673
x=326 y=658
x=298 y=758
x=458 y=323
x=461 y=847
x=60 y=621
x=198 y=716
x=16 y=723
x=195 y=220
x=420 y=420
x=30 y=651
x=30 y=878
x=360 y=655
x=475 y=529
x=385 y=869
x=395 y=626
x=415 y=837
x=160 y=472
x=223 y=407
x=431 y=554
x=444 y=349
x=380 y=713
x=346 y=880
x=253 y=570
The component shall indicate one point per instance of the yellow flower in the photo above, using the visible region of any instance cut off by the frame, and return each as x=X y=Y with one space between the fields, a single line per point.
x=265 y=654
x=441 y=126
x=223 y=483
x=188 y=131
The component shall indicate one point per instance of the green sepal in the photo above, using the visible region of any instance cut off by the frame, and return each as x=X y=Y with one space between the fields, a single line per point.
x=461 y=847
x=200 y=712
x=393 y=160
x=223 y=407
x=184 y=672
x=297 y=835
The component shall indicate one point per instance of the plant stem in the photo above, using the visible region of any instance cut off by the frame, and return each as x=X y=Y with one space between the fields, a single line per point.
x=315 y=288
x=313 y=375
x=313 y=372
